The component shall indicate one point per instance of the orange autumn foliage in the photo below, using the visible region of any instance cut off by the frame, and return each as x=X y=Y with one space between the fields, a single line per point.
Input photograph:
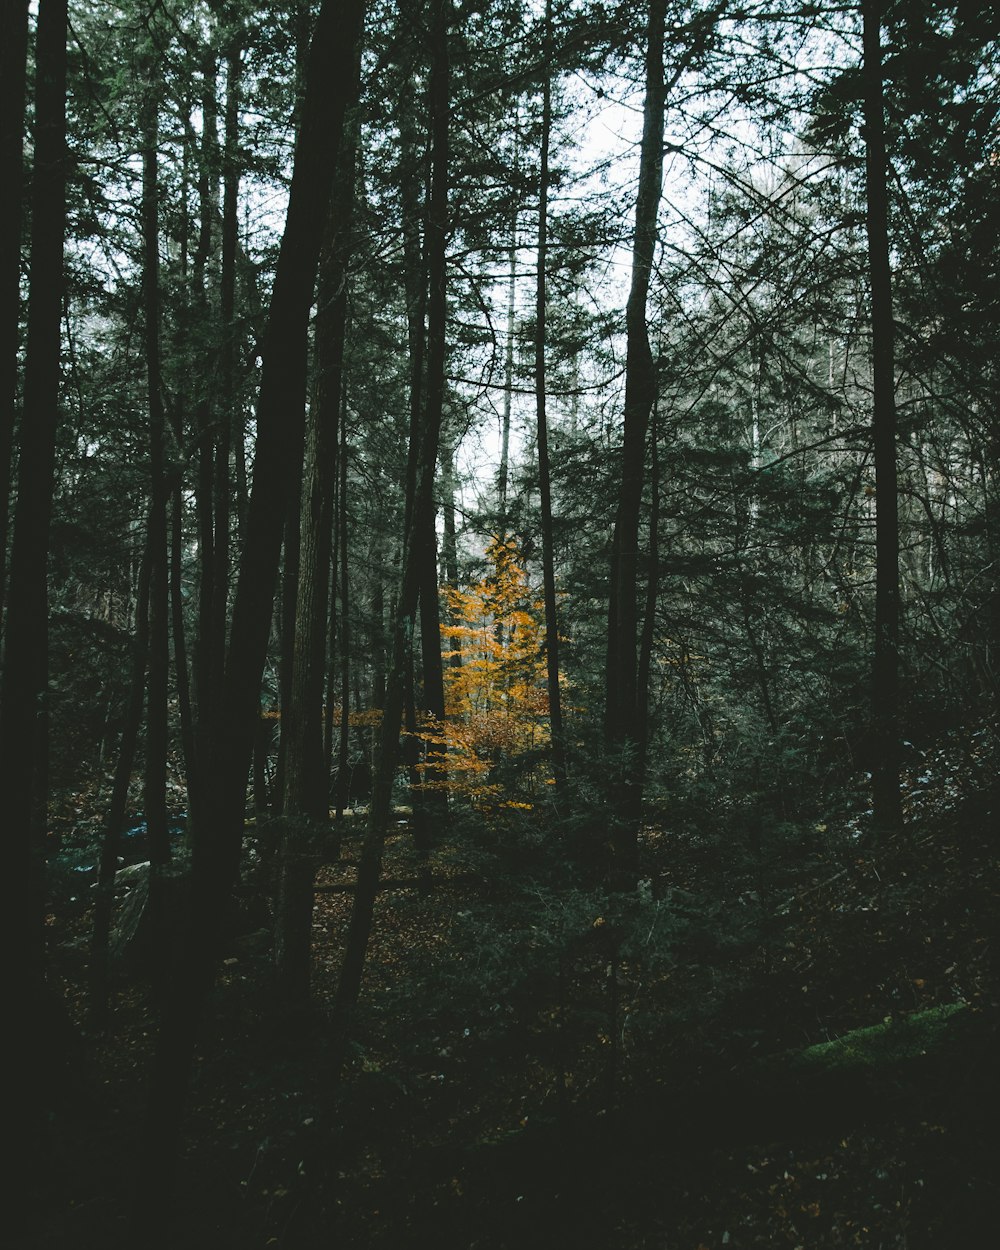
x=496 y=703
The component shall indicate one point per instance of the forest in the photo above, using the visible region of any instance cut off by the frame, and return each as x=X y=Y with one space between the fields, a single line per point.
x=500 y=586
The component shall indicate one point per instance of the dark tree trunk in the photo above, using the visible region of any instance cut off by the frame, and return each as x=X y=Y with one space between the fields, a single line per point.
x=305 y=807
x=405 y=617
x=425 y=391
x=887 y=811
x=344 y=739
x=179 y=631
x=449 y=547
x=542 y=432
x=228 y=746
x=114 y=818
x=624 y=697
x=652 y=587
x=287 y=599
x=436 y=801
x=23 y=714
x=158 y=671
x=503 y=474
x=13 y=62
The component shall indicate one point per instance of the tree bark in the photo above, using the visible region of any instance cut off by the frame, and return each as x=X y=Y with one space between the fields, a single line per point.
x=542 y=434
x=228 y=746
x=23 y=713
x=306 y=796
x=13 y=65
x=158 y=670
x=624 y=698
x=405 y=617
x=114 y=817
x=886 y=745
x=342 y=564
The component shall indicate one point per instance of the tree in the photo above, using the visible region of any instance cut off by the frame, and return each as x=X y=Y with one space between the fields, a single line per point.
x=23 y=712
x=888 y=814
x=280 y=415
x=623 y=697
x=306 y=790
x=498 y=724
x=12 y=106
x=541 y=427
x=421 y=512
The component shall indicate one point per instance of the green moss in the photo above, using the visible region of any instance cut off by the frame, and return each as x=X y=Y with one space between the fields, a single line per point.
x=879 y=1045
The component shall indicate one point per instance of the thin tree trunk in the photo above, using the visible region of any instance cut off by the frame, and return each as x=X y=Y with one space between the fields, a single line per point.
x=435 y=775
x=230 y=414
x=344 y=741
x=23 y=716
x=158 y=670
x=887 y=810
x=652 y=587
x=13 y=63
x=114 y=818
x=624 y=698
x=542 y=433
x=508 y=356
x=449 y=547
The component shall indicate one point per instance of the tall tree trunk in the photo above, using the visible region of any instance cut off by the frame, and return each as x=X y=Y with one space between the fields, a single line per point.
x=436 y=799
x=23 y=718
x=652 y=587
x=158 y=670
x=230 y=413
x=449 y=547
x=542 y=433
x=228 y=747
x=405 y=617
x=886 y=746
x=341 y=564
x=624 y=698
x=503 y=475
x=13 y=63
x=178 y=629
x=306 y=796
x=209 y=649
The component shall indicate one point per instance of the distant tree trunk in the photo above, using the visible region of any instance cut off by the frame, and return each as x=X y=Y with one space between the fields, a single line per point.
x=178 y=629
x=503 y=476
x=215 y=411
x=405 y=616
x=652 y=587
x=228 y=747
x=344 y=739
x=542 y=431
x=449 y=547
x=23 y=713
x=230 y=414
x=887 y=810
x=413 y=188
x=288 y=590
x=624 y=697
x=158 y=671
x=306 y=796
x=114 y=817
x=13 y=62
x=436 y=799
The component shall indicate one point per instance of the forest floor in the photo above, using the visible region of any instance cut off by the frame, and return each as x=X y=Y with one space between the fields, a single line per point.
x=544 y=1065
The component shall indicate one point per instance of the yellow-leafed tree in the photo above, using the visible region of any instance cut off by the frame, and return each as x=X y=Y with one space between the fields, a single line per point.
x=496 y=703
